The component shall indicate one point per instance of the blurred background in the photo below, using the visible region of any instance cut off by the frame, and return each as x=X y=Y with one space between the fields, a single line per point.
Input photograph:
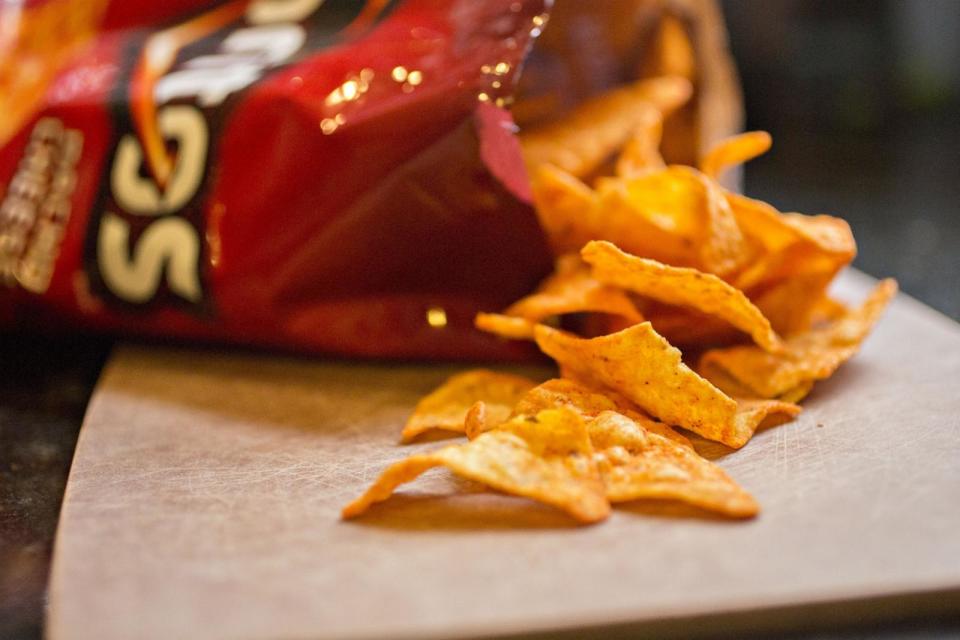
x=863 y=101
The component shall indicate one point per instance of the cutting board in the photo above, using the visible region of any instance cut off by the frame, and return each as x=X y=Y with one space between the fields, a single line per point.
x=205 y=493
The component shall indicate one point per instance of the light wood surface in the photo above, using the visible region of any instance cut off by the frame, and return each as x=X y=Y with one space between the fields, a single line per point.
x=204 y=497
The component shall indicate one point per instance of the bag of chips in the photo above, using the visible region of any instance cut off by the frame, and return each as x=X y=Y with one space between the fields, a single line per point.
x=329 y=176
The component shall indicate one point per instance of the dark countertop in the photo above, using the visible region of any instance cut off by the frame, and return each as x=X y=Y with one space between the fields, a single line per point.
x=43 y=395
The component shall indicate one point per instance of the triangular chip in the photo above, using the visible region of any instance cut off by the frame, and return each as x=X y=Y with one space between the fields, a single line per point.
x=580 y=141
x=509 y=327
x=685 y=327
x=588 y=403
x=617 y=218
x=790 y=304
x=572 y=289
x=754 y=413
x=569 y=290
x=680 y=286
x=788 y=245
x=643 y=367
x=446 y=406
x=547 y=457
x=686 y=204
x=565 y=207
x=636 y=464
x=642 y=152
x=733 y=151
x=807 y=357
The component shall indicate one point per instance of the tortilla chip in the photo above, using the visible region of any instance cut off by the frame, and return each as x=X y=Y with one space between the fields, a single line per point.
x=565 y=207
x=618 y=218
x=446 y=407
x=733 y=151
x=504 y=326
x=754 y=413
x=686 y=204
x=636 y=463
x=478 y=421
x=601 y=324
x=807 y=357
x=547 y=457
x=589 y=403
x=680 y=286
x=582 y=140
x=671 y=50
x=827 y=310
x=828 y=234
x=798 y=393
x=572 y=289
x=643 y=367
x=685 y=327
x=790 y=304
x=788 y=245
x=642 y=152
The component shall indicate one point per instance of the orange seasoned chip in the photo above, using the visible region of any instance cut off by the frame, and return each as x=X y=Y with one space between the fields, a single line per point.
x=680 y=286
x=797 y=393
x=572 y=289
x=828 y=234
x=446 y=407
x=733 y=151
x=589 y=403
x=547 y=457
x=509 y=327
x=754 y=413
x=478 y=421
x=685 y=327
x=643 y=367
x=791 y=303
x=827 y=310
x=787 y=245
x=675 y=215
x=565 y=207
x=636 y=463
x=642 y=151
x=671 y=51
x=684 y=203
x=580 y=141
x=735 y=389
x=807 y=357
x=617 y=218
x=569 y=290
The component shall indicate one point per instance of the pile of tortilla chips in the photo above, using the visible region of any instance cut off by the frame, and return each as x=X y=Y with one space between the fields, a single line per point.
x=649 y=258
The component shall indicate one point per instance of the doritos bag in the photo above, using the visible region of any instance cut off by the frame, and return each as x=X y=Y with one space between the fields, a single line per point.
x=331 y=176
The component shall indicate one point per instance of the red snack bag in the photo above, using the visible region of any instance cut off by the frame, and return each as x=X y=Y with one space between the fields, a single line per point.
x=332 y=176
x=329 y=176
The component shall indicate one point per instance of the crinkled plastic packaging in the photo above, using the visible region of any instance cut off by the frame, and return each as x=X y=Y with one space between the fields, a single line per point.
x=330 y=176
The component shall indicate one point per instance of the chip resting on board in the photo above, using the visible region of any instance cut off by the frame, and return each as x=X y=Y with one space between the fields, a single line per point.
x=638 y=464
x=807 y=357
x=640 y=365
x=755 y=413
x=547 y=457
x=446 y=407
x=589 y=403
